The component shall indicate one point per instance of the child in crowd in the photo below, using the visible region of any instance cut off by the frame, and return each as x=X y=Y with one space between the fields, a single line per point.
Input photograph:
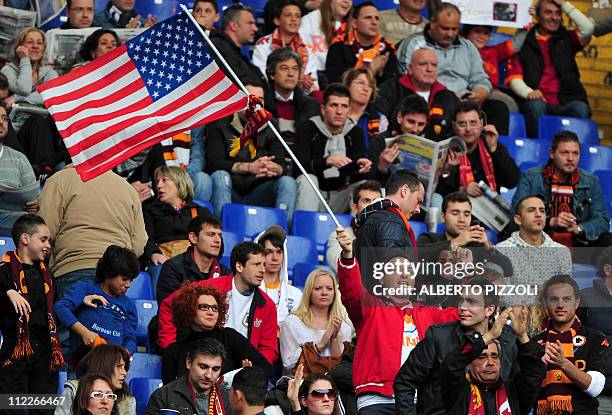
x=31 y=354
x=98 y=309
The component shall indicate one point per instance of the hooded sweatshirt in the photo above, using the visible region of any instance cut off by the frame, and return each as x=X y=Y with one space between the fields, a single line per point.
x=286 y=297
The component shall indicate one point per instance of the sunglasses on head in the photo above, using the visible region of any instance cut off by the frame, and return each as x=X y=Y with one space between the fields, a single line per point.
x=206 y=307
x=320 y=393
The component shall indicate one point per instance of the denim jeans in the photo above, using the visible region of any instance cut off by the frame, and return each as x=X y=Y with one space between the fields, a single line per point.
x=7 y=219
x=279 y=193
x=535 y=108
x=202 y=183
x=202 y=186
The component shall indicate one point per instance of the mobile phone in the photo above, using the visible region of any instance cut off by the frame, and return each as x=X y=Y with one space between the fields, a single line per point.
x=97 y=302
x=349 y=169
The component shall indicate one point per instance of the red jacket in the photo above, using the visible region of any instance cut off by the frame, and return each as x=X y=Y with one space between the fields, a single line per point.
x=380 y=330
x=263 y=327
x=492 y=56
x=406 y=82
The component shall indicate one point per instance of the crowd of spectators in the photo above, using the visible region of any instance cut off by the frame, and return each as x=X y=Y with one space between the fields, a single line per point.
x=402 y=321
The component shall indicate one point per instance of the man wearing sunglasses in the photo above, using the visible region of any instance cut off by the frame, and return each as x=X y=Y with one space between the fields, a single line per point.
x=250 y=311
x=200 y=389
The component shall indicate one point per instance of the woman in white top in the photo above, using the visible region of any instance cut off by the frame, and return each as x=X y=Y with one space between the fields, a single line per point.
x=320 y=27
x=320 y=318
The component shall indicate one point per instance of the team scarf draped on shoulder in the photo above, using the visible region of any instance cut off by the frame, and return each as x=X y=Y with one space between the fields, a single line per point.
x=466 y=174
x=23 y=348
x=557 y=389
x=562 y=198
x=296 y=44
x=502 y=406
x=366 y=56
x=215 y=403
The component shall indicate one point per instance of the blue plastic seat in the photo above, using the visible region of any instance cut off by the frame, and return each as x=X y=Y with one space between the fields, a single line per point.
x=146 y=311
x=526 y=149
x=225 y=260
x=302 y=270
x=584 y=274
x=205 y=204
x=144 y=365
x=593 y=158
x=585 y=128
x=300 y=249
x=526 y=165
x=141 y=288
x=386 y=4
x=230 y=240
x=6 y=244
x=418 y=227
x=317 y=226
x=249 y=220
x=507 y=193
x=142 y=389
x=62 y=377
x=517 y=125
x=605 y=181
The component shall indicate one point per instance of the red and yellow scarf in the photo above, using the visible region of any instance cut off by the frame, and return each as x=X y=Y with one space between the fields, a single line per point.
x=23 y=348
x=215 y=403
x=562 y=198
x=466 y=174
x=365 y=57
x=296 y=44
x=502 y=406
x=556 y=390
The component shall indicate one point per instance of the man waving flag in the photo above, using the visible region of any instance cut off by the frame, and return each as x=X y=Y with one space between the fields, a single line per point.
x=158 y=84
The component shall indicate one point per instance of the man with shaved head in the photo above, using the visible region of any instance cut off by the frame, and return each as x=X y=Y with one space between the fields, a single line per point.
x=421 y=78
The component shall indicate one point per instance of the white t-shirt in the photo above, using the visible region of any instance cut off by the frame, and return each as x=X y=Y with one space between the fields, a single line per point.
x=238 y=313
x=409 y=339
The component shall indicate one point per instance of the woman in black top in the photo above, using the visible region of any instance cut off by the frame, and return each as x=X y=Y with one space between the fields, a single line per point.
x=202 y=310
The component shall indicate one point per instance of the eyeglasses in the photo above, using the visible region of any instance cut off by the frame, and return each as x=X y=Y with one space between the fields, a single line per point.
x=100 y=395
x=206 y=307
x=363 y=84
x=318 y=394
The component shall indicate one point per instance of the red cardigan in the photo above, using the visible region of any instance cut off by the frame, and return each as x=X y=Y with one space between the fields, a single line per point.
x=380 y=329
x=263 y=327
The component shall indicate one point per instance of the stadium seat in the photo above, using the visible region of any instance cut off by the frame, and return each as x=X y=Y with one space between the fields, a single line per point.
x=585 y=128
x=146 y=310
x=584 y=274
x=517 y=125
x=141 y=288
x=225 y=260
x=300 y=249
x=507 y=193
x=526 y=149
x=144 y=365
x=6 y=244
x=302 y=270
x=605 y=181
x=230 y=240
x=62 y=377
x=526 y=165
x=142 y=389
x=317 y=226
x=386 y=4
x=593 y=158
x=418 y=227
x=249 y=220
x=205 y=204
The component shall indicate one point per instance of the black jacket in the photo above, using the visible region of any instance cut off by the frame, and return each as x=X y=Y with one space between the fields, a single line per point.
x=179 y=269
x=596 y=311
x=237 y=348
x=562 y=54
x=176 y=395
x=507 y=173
x=594 y=352
x=219 y=135
x=241 y=65
x=342 y=57
x=163 y=223
x=310 y=147
x=521 y=390
x=423 y=368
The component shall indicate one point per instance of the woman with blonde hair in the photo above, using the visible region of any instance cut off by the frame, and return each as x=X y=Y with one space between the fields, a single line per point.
x=320 y=27
x=320 y=318
x=38 y=137
x=168 y=215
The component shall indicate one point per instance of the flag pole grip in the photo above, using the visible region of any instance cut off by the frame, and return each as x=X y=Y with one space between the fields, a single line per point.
x=270 y=125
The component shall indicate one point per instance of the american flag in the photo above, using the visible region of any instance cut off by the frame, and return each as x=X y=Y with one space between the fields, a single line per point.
x=158 y=84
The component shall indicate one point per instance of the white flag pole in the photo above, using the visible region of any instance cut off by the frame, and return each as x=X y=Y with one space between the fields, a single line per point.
x=270 y=125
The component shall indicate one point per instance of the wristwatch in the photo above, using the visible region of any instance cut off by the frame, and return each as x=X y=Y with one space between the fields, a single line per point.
x=580 y=230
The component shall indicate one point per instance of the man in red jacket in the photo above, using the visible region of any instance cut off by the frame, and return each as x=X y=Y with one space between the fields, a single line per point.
x=388 y=328
x=251 y=312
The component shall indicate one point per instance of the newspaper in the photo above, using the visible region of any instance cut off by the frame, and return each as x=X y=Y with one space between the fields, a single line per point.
x=13 y=21
x=14 y=199
x=63 y=45
x=491 y=209
x=425 y=157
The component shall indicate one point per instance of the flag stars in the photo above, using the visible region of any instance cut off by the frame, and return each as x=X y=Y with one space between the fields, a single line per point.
x=167 y=87
x=150 y=82
x=179 y=79
x=165 y=54
x=154 y=61
x=172 y=66
x=161 y=74
x=155 y=94
x=158 y=84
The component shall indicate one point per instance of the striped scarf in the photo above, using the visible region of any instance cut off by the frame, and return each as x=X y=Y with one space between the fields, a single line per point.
x=502 y=406
x=556 y=391
x=562 y=198
x=466 y=174
x=296 y=44
x=366 y=56
x=215 y=403
x=23 y=348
